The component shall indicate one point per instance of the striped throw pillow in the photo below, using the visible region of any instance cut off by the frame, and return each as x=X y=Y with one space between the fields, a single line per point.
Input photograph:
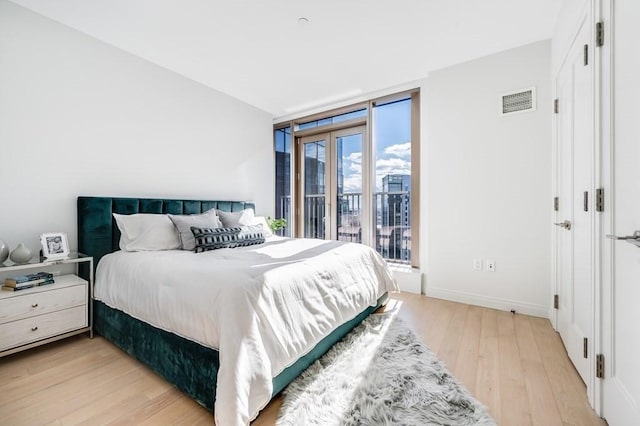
x=217 y=238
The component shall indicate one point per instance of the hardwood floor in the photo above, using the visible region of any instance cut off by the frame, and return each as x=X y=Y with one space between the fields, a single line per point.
x=516 y=365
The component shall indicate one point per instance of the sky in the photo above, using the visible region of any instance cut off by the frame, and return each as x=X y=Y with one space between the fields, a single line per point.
x=392 y=146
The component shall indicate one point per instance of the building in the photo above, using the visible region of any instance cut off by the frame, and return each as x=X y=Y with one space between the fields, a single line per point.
x=394 y=236
x=397 y=209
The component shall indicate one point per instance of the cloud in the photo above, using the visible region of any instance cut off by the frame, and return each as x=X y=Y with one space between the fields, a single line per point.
x=399 y=150
x=352 y=183
x=403 y=166
x=391 y=166
x=356 y=157
x=352 y=172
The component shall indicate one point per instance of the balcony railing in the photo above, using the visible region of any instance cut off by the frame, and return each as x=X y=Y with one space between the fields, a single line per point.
x=391 y=212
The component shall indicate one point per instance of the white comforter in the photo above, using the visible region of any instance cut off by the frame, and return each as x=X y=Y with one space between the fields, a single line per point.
x=262 y=306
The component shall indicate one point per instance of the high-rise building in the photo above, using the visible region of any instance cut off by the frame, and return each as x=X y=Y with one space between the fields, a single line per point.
x=397 y=210
x=395 y=234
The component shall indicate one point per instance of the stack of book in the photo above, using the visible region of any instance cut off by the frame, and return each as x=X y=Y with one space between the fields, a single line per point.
x=23 y=282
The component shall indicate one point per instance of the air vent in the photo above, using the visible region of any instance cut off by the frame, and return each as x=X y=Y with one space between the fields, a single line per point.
x=519 y=101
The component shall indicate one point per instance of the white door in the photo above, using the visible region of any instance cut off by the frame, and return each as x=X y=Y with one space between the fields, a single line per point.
x=621 y=266
x=575 y=216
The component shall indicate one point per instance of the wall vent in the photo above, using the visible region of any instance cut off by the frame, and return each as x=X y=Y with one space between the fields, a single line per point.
x=523 y=100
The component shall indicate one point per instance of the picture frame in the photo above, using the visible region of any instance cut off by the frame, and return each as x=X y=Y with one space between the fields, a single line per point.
x=55 y=245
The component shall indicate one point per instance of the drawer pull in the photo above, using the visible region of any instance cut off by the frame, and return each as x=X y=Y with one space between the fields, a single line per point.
x=34 y=305
x=34 y=328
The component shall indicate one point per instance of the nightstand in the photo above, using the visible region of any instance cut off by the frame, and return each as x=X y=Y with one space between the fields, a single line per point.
x=39 y=315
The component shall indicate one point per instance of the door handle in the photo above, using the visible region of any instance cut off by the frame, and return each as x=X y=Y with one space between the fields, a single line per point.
x=566 y=225
x=633 y=239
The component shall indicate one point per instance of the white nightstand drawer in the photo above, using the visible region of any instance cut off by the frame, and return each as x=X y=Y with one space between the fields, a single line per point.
x=41 y=302
x=39 y=327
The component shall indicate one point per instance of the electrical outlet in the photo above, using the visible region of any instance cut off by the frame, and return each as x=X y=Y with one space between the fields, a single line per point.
x=490 y=265
x=477 y=264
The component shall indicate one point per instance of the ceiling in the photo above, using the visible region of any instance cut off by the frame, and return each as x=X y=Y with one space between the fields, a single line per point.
x=259 y=52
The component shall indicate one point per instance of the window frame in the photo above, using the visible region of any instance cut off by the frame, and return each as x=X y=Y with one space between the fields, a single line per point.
x=291 y=221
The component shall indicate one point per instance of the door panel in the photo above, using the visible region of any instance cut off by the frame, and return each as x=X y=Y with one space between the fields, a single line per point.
x=621 y=266
x=575 y=244
x=314 y=184
x=349 y=192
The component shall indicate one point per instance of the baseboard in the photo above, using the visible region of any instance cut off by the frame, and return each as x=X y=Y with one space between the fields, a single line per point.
x=409 y=279
x=552 y=317
x=489 y=302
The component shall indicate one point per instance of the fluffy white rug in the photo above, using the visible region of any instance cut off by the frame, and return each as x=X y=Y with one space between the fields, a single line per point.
x=379 y=374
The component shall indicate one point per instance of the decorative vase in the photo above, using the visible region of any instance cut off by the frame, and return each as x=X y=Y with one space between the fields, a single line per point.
x=4 y=252
x=21 y=254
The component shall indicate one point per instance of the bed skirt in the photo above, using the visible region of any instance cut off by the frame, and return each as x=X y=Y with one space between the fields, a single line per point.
x=191 y=367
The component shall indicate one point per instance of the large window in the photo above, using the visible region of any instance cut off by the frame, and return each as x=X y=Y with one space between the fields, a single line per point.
x=356 y=175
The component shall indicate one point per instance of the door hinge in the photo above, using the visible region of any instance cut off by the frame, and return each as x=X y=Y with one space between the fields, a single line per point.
x=556 y=301
x=585 y=201
x=556 y=107
x=599 y=34
x=585 y=348
x=585 y=55
x=556 y=203
x=600 y=366
x=600 y=199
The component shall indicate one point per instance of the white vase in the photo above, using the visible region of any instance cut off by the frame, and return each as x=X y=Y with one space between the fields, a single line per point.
x=4 y=252
x=21 y=254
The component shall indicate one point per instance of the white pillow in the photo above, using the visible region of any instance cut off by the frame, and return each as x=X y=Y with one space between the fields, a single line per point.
x=236 y=219
x=183 y=223
x=261 y=220
x=146 y=232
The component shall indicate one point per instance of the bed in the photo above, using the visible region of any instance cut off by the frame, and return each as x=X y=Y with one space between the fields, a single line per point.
x=246 y=358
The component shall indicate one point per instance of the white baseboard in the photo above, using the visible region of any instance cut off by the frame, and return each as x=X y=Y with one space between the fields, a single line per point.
x=409 y=279
x=489 y=302
x=552 y=317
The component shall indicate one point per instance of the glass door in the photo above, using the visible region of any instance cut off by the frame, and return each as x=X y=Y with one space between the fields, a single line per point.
x=315 y=182
x=348 y=195
x=332 y=185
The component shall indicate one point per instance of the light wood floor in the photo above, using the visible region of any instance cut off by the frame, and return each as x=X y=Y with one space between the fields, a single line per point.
x=514 y=364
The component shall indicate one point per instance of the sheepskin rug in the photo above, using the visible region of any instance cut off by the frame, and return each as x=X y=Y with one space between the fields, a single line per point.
x=379 y=374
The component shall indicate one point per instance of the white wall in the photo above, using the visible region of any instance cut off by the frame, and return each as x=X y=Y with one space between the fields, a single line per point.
x=487 y=182
x=79 y=117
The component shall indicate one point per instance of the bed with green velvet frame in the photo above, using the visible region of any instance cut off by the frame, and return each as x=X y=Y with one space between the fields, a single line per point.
x=191 y=367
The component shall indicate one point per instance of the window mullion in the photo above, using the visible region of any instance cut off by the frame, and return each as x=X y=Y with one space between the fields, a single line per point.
x=368 y=221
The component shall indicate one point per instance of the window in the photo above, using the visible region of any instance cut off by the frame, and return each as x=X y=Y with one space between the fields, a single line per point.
x=282 y=139
x=357 y=175
x=331 y=120
x=392 y=187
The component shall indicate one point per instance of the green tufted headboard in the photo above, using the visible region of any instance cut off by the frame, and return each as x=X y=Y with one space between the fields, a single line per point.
x=98 y=233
